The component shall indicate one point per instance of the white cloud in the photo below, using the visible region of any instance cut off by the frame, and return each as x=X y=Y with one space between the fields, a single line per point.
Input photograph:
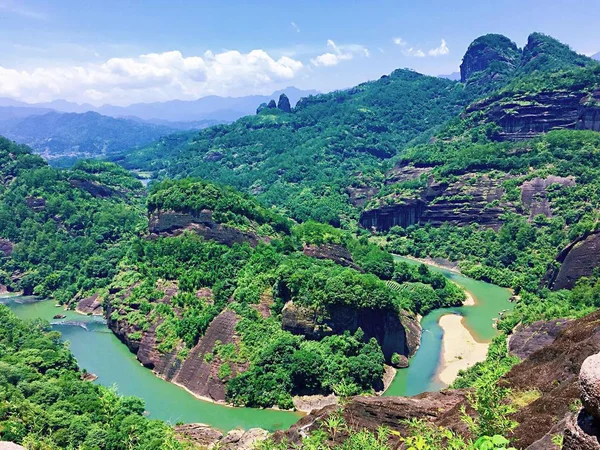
x=295 y=27
x=439 y=51
x=415 y=52
x=151 y=77
x=339 y=54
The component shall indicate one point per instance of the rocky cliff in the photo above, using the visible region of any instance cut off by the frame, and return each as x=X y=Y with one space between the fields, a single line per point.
x=173 y=223
x=525 y=115
x=578 y=259
x=196 y=369
x=6 y=247
x=395 y=333
x=534 y=194
x=474 y=198
x=493 y=54
x=336 y=253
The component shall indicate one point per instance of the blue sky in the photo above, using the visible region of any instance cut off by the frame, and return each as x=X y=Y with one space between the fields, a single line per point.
x=93 y=50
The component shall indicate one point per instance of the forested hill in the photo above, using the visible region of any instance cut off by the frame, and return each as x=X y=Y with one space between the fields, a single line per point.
x=305 y=160
x=323 y=158
x=61 y=231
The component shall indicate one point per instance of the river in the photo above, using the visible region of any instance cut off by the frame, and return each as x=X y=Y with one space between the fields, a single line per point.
x=99 y=351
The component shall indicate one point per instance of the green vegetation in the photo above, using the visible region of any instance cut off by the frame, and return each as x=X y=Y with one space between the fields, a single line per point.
x=305 y=161
x=46 y=405
x=67 y=227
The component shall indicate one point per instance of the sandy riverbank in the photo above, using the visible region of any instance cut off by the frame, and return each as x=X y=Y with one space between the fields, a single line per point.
x=460 y=350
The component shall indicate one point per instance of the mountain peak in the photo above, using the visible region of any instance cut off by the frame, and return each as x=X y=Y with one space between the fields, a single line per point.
x=494 y=54
x=544 y=52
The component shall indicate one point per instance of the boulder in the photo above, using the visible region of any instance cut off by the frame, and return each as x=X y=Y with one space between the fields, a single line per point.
x=582 y=432
x=401 y=363
x=589 y=384
x=90 y=305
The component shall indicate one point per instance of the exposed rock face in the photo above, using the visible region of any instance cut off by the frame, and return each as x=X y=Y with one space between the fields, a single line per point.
x=337 y=253
x=36 y=203
x=442 y=408
x=284 y=103
x=395 y=333
x=6 y=247
x=475 y=198
x=95 y=189
x=589 y=383
x=527 y=115
x=552 y=370
x=487 y=51
x=5 y=445
x=528 y=339
x=577 y=260
x=174 y=223
x=207 y=437
x=90 y=305
x=196 y=372
x=534 y=195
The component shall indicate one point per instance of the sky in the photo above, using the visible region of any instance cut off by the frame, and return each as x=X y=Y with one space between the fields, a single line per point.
x=125 y=51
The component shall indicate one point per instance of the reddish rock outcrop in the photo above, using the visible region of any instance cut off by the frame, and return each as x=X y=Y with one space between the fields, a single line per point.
x=174 y=223
x=528 y=339
x=337 y=253
x=196 y=369
x=440 y=408
x=524 y=116
x=534 y=195
x=475 y=198
x=90 y=305
x=577 y=260
x=6 y=247
x=395 y=333
x=36 y=203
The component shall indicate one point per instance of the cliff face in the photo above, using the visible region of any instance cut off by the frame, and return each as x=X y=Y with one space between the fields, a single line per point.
x=6 y=247
x=577 y=260
x=473 y=198
x=336 y=253
x=174 y=223
x=395 y=333
x=524 y=116
x=534 y=195
x=196 y=369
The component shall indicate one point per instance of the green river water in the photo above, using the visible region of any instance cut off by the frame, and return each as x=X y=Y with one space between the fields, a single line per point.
x=99 y=351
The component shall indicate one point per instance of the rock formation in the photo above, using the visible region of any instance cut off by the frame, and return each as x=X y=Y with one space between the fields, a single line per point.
x=198 y=370
x=473 y=198
x=395 y=333
x=528 y=339
x=494 y=53
x=272 y=104
x=284 y=103
x=577 y=260
x=534 y=194
x=583 y=427
x=36 y=203
x=206 y=437
x=6 y=247
x=526 y=115
x=337 y=253
x=90 y=305
x=173 y=223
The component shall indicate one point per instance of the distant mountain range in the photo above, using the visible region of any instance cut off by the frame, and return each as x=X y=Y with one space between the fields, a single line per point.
x=454 y=76
x=71 y=135
x=62 y=130
x=596 y=56
x=212 y=108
